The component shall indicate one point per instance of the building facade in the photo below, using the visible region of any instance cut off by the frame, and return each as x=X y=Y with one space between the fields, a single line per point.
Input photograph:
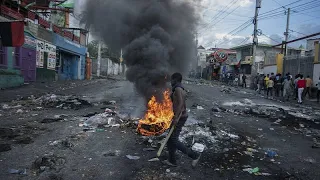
x=50 y=52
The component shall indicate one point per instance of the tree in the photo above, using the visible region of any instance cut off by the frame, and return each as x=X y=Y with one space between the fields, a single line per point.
x=105 y=52
x=93 y=49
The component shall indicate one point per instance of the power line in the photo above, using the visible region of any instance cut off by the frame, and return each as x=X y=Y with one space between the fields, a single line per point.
x=297 y=32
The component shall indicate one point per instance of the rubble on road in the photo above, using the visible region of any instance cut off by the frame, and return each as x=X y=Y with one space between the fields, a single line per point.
x=49 y=162
x=62 y=102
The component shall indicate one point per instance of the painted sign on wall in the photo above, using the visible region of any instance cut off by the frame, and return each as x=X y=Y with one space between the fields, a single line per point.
x=40 y=54
x=43 y=47
x=51 y=50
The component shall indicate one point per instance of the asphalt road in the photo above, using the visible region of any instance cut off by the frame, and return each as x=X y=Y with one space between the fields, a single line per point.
x=101 y=154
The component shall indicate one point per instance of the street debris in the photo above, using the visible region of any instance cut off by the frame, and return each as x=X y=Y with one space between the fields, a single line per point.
x=19 y=111
x=154 y=159
x=48 y=162
x=148 y=149
x=271 y=153
x=198 y=147
x=62 y=102
x=132 y=157
x=200 y=107
x=18 y=171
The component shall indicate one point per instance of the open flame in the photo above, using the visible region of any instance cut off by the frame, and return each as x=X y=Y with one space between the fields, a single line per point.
x=158 y=116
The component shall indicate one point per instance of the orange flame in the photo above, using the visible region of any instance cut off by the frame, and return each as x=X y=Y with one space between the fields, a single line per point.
x=158 y=116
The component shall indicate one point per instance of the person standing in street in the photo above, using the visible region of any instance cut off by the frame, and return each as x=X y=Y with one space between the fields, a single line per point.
x=287 y=86
x=308 y=87
x=178 y=97
x=244 y=83
x=270 y=85
x=297 y=78
x=318 y=92
x=301 y=84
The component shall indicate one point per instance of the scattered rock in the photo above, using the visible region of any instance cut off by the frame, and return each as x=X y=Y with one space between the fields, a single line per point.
x=132 y=157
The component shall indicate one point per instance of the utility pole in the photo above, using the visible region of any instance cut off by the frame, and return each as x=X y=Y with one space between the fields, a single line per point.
x=287 y=32
x=255 y=37
x=99 y=59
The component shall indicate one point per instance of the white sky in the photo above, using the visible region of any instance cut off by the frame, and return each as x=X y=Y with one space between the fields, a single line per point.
x=214 y=27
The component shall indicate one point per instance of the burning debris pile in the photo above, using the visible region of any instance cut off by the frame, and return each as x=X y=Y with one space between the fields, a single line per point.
x=157 y=38
x=62 y=102
x=158 y=116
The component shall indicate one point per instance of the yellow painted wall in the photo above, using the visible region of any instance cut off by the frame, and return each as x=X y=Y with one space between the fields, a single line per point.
x=279 y=61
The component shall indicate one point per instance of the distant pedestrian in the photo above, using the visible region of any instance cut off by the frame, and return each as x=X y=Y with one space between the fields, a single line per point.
x=260 y=83
x=278 y=84
x=270 y=85
x=308 y=87
x=297 y=78
x=301 y=84
x=244 y=82
x=318 y=92
x=287 y=88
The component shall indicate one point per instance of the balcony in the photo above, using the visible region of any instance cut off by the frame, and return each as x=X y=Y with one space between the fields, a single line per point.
x=56 y=29
x=31 y=15
x=44 y=23
x=11 y=13
x=68 y=34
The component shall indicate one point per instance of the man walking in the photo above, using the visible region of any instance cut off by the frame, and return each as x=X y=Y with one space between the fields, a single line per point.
x=270 y=85
x=308 y=87
x=178 y=98
x=287 y=86
x=301 y=84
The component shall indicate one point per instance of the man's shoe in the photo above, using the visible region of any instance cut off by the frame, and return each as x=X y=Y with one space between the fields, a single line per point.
x=195 y=161
x=167 y=162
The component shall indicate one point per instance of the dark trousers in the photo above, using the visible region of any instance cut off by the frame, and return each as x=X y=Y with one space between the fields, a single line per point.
x=174 y=143
x=244 y=84
x=318 y=95
x=278 y=90
x=308 y=91
x=269 y=90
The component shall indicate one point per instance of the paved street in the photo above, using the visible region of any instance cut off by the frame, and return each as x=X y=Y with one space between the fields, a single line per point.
x=49 y=136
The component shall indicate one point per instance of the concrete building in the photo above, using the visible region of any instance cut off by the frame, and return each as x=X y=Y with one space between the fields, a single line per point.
x=49 y=52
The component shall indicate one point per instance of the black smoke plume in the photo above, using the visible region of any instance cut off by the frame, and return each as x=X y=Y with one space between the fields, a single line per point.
x=157 y=37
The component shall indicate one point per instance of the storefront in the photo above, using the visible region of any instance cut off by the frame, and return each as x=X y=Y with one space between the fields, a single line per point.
x=71 y=59
x=25 y=58
x=46 y=61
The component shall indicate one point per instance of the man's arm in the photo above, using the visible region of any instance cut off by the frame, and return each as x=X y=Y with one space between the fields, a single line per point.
x=177 y=104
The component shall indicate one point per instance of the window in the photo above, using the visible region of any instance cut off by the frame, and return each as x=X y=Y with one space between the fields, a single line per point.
x=17 y=57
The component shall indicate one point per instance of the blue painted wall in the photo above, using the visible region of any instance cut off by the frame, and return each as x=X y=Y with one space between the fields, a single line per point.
x=73 y=56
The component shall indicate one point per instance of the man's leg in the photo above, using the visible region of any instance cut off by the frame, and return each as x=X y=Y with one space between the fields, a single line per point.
x=318 y=95
x=300 y=91
x=309 y=92
x=174 y=143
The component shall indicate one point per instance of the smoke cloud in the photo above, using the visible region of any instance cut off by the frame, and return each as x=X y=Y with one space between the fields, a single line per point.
x=157 y=37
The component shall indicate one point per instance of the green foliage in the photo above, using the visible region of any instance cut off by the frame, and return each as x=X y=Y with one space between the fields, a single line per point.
x=105 y=52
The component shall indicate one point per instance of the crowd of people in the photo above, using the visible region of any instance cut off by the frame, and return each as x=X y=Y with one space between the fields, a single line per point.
x=286 y=86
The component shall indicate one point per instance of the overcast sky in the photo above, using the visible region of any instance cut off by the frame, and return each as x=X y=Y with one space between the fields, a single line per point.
x=214 y=26
x=304 y=20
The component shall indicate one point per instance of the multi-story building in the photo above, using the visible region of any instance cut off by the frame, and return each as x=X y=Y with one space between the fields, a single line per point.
x=50 y=52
